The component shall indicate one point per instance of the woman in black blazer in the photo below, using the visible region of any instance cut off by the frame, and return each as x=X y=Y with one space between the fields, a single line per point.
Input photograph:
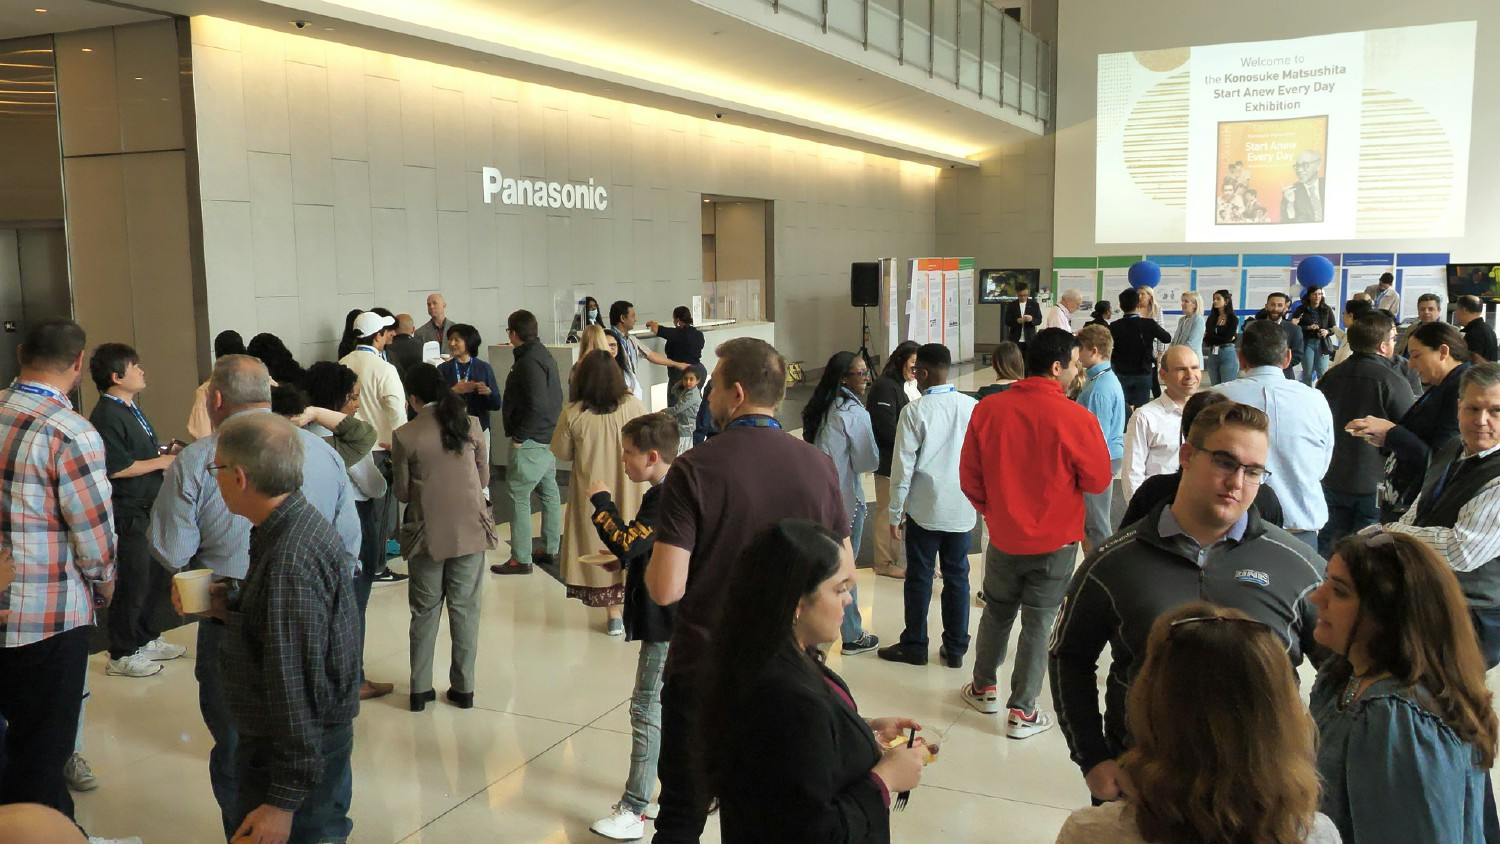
x=782 y=744
x=1440 y=357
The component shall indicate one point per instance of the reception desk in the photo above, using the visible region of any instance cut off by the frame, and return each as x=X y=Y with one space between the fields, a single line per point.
x=653 y=378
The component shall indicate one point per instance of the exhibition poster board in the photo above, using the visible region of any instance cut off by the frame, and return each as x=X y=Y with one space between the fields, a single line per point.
x=1421 y=273
x=965 y=350
x=1114 y=275
x=1262 y=275
x=1216 y=272
x=916 y=301
x=1081 y=274
x=934 y=300
x=950 y=304
x=1176 y=279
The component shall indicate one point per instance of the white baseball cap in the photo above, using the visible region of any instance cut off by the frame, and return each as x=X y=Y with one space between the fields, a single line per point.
x=369 y=322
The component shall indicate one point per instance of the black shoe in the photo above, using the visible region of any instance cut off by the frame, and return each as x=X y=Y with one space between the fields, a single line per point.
x=901 y=653
x=462 y=700
x=950 y=660
x=542 y=558
x=867 y=642
x=388 y=577
x=419 y=700
x=511 y=567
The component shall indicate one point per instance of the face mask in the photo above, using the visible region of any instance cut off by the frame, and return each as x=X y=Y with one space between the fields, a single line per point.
x=593 y=315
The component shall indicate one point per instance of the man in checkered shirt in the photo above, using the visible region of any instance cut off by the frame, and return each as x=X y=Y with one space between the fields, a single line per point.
x=56 y=523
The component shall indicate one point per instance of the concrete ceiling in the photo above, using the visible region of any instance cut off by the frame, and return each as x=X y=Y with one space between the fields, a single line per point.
x=670 y=54
x=20 y=18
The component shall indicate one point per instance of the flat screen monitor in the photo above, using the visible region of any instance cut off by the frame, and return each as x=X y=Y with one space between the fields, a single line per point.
x=1482 y=280
x=997 y=286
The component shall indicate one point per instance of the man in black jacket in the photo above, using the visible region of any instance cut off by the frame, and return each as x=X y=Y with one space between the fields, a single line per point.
x=1367 y=384
x=1208 y=543
x=1277 y=305
x=1022 y=317
x=1469 y=314
x=533 y=399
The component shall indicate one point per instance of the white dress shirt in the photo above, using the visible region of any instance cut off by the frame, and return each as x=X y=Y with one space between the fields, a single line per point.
x=1473 y=539
x=1058 y=317
x=1152 y=442
x=924 y=464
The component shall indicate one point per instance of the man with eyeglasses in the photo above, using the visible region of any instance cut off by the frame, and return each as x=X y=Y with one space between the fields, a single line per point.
x=1207 y=543
x=1301 y=427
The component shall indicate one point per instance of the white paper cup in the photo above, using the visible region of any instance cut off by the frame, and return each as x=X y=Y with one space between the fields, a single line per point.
x=192 y=589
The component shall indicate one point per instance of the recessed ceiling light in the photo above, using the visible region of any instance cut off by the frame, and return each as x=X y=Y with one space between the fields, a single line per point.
x=139 y=78
x=88 y=49
x=40 y=10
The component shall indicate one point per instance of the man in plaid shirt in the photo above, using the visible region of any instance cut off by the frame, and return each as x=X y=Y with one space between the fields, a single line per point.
x=55 y=521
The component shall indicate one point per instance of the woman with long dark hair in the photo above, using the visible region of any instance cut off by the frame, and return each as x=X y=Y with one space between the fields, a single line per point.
x=588 y=433
x=588 y=315
x=836 y=421
x=1318 y=323
x=277 y=357
x=1237 y=765
x=1439 y=355
x=1009 y=368
x=1407 y=728
x=470 y=376
x=1220 y=362
x=830 y=776
x=440 y=462
x=887 y=396
x=348 y=339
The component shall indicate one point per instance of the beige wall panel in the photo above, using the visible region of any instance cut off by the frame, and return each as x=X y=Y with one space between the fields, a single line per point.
x=267 y=126
x=383 y=105
x=311 y=143
x=351 y=227
x=230 y=266
x=219 y=97
x=346 y=103
x=271 y=224
x=150 y=90
x=421 y=228
x=86 y=90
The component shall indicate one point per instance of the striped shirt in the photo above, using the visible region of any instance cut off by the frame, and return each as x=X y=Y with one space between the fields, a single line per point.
x=54 y=514
x=191 y=527
x=1473 y=539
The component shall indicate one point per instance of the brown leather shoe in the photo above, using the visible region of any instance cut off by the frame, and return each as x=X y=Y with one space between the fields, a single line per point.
x=370 y=691
x=511 y=567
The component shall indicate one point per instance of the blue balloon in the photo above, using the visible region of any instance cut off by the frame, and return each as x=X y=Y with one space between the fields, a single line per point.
x=1315 y=271
x=1144 y=274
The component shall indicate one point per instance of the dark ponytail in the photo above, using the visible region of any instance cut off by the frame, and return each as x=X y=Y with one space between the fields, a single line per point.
x=425 y=382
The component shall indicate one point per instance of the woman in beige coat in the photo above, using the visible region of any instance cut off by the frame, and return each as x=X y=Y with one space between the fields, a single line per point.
x=588 y=433
x=440 y=462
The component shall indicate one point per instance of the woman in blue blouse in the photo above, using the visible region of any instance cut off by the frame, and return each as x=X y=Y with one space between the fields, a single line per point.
x=472 y=378
x=1407 y=730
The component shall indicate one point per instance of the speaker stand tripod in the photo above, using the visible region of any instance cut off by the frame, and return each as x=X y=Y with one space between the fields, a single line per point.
x=864 y=338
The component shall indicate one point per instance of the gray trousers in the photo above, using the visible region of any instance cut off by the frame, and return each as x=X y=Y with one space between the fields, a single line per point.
x=1032 y=586
x=1098 y=521
x=455 y=580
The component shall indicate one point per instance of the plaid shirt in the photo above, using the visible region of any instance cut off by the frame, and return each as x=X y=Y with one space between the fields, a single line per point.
x=54 y=515
x=291 y=659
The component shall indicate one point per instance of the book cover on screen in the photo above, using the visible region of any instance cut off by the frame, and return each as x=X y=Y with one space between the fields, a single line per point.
x=1271 y=171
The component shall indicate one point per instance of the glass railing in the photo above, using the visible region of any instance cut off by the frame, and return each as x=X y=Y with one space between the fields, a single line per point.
x=972 y=44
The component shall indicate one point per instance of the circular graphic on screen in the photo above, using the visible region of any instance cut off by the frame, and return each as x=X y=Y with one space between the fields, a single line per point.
x=1162 y=61
x=1156 y=141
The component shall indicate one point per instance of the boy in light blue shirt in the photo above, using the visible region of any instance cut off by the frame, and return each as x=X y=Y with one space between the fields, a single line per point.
x=1104 y=398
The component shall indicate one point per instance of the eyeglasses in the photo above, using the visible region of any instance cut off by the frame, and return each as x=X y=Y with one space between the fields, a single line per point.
x=1228 y=464
x=1208 y=619
x=215 y=468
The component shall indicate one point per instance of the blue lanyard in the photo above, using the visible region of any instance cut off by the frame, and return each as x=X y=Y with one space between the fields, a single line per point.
x=463 y=371
x=754 y=422
x=41 y=390
x=941 y=388
x=372 y=350
x=139 y=416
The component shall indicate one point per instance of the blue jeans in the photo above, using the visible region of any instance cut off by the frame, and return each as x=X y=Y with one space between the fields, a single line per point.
x=221 y=773
x=1348 y=514
x=853 y=628
x=924 y=549
x=645 y=727
x=323 y=817
x=1137 y=389
x=1222 y=365
x=1314 y=363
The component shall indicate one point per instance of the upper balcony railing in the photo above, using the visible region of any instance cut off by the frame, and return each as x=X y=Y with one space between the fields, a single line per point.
x=970 y=43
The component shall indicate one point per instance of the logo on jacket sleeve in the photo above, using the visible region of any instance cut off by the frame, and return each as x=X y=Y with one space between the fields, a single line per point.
x=1259 y=578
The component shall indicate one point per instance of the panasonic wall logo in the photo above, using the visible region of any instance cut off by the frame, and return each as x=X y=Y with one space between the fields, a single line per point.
x=539 y=193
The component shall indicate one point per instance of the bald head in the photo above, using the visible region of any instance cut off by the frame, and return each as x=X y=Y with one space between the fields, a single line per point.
x=29 y=823
x=405 y=325
x=437 y=307
x=1181 y=372
x=238 y=382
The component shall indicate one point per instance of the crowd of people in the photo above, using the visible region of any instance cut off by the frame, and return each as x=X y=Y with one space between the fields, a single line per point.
x=1345 y=516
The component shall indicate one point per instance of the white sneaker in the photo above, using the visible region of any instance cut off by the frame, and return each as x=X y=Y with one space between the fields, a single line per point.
x=160 y=650
x=622 y=825
x=134 y=839
x=135 y=665
x=1019 y=725
x=985 y=700
x=79 y=775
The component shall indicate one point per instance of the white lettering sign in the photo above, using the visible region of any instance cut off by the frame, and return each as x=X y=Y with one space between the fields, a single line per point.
x=538 y=193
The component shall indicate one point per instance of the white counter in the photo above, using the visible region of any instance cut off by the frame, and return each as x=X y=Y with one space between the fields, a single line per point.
x=652 y=377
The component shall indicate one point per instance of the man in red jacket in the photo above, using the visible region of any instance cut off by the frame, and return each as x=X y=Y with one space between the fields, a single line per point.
x=1028 y=458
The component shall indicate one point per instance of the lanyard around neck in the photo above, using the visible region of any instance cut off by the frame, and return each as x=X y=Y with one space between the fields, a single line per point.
x=135 y=411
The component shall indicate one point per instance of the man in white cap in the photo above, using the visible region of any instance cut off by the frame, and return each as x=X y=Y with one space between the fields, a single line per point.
x=382 y=403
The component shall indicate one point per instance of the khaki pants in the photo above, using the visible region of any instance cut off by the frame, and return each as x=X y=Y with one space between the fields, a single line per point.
x=889 y=553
